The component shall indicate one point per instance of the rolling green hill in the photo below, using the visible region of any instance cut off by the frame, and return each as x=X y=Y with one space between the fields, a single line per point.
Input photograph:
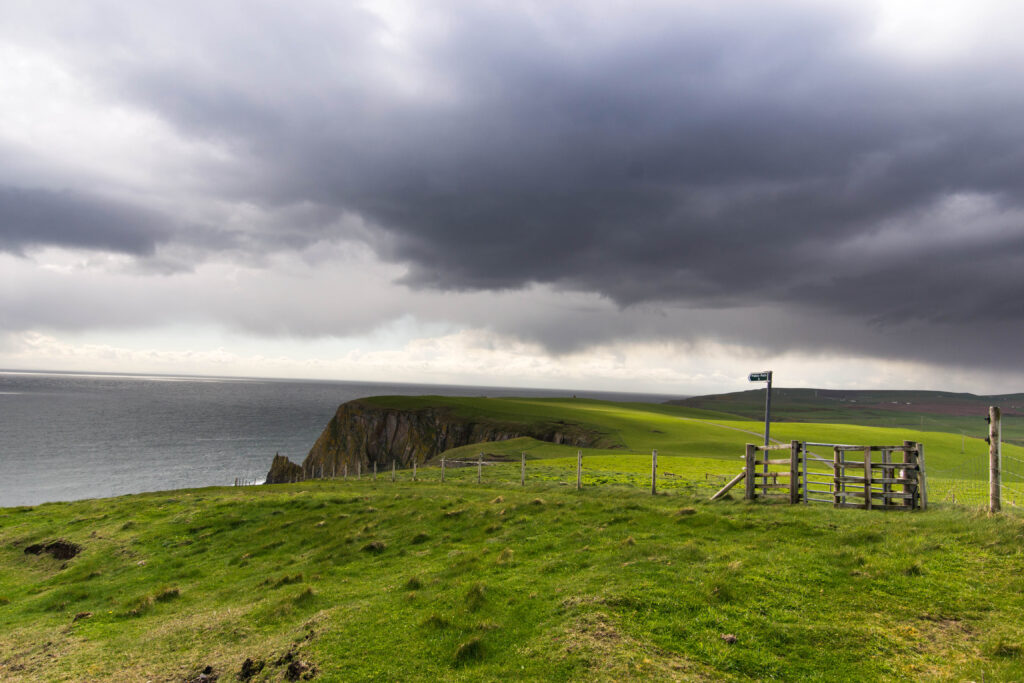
x=938 y=411
x=369 y=579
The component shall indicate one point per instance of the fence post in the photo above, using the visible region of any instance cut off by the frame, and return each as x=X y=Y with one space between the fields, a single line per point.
x=392 y=469
x=910 y=456
x=867 y=477
x=344 y=469
x=922 y=480
x=479 y=467
x=522 y=469
x=359 y=469
x=375 y=470
x=837 y=472
x=749 y=457
x=654 y=471
x=995 y=434
x=579 y=470
x=442 y=470
x=414 y=470
x=794 y=472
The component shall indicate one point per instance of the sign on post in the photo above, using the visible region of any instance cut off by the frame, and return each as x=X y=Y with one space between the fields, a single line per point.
x=765 y=376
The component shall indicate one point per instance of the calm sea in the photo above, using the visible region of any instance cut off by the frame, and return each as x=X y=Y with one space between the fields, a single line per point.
x=72 y=436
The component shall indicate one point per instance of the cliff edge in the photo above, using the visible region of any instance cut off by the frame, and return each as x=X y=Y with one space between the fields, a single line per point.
x=364 y=432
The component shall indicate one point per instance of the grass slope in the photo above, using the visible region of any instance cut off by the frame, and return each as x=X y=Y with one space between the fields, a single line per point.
x=374 y=580
x=422 y=581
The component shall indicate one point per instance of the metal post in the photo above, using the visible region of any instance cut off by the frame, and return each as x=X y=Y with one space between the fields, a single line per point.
x=994 y=458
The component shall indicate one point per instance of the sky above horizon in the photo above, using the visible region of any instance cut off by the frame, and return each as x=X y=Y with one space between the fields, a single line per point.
x=653 y=196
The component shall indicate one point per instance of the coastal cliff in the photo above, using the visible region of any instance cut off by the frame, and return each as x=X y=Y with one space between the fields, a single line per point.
x=363 y=432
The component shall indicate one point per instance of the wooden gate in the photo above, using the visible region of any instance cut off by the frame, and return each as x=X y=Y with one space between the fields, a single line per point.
x=895 y=480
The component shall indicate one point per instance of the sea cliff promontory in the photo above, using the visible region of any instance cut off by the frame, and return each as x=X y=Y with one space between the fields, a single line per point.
x=416 y=429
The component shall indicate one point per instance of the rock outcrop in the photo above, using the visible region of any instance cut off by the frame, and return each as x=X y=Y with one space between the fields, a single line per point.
x=363 y=433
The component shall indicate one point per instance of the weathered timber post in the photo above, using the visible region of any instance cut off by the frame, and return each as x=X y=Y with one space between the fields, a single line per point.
x=888 y=473
x=654 y=471
x=375 y=470
x=922 y=480
x=359 y=469
x=837 y=469
x=392 y=469
x=867 y=477
x=442 y=470
x=750 y=457
x=995 y=477
x=579 y=470
x=479 y=467
x=414 y=470
x=910 y=487
x=344 y=469
x=794 y=472
x=522 y=469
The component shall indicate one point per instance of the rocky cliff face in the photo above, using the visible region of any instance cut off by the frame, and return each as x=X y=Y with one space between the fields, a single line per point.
x=363 y=433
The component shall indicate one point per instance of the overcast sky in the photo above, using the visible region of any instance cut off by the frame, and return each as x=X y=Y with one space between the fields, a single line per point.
x=650 y=196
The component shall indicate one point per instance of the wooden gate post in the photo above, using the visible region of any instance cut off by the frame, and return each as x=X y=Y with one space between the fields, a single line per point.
x=867 y=477
x=579 y=470
x=794 y=472
x=749 y=457
x=995 y=434
x=837 y=473
x=922 y=480
x=910 y=457
x=654 y=472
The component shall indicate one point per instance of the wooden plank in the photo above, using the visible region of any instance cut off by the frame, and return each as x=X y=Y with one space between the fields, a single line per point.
x=735 y=480
x=774 y=447
x=772 y=486
x=773 y=475
x=750 y=456
x=922 y=481
x=776 y=461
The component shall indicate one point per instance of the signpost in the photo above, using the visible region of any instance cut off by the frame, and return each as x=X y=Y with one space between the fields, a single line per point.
x=765 y=376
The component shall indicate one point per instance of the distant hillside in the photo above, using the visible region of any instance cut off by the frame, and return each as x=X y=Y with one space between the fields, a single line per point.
x=939 y=411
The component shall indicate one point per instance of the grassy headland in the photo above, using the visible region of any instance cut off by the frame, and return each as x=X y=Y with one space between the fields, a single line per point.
x=374 y=580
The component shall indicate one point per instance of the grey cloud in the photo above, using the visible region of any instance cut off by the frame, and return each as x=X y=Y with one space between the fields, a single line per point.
x=679 y=155
x=33 y=217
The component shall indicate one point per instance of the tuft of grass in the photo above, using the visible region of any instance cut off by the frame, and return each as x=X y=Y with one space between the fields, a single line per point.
x=437 y=621
x=167 y=594
x=470 y=651
x=414 y=583
x=475 y=597
x=505 y=557
x=375 y=547
x=420 y=537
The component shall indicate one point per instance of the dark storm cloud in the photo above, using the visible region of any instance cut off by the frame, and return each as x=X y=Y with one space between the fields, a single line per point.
x=33 y=217
x=750 y=154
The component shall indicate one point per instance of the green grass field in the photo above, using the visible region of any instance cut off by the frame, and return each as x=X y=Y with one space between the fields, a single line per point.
x=380 y=580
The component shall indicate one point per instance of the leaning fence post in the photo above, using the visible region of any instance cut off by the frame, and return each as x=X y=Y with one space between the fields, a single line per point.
x=522 y=470
x=579 y=470
x=748 y=466
x=994 y=458
x=442 y=470
x=654 y=471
